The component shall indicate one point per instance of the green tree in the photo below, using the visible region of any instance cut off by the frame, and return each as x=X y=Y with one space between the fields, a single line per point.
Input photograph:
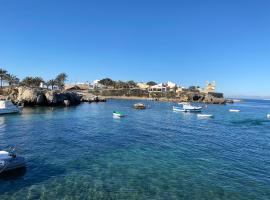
x=12 y=79
x=3 y=74
x=131 y=84
x=32 y=81
x=60 y=80
x=107 y=82
x=151 y=83
x=51 y=83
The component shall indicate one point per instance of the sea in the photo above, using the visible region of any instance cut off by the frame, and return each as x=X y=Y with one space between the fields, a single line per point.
x=83 y=152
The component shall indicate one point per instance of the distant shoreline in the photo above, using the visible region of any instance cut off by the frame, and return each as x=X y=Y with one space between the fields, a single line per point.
x=126 y=98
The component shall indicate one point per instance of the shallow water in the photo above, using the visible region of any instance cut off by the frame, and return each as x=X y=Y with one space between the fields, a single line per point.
x=84 y=153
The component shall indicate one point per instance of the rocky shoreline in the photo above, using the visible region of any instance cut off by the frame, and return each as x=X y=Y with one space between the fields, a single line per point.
x=186 y=97
x=42 y=97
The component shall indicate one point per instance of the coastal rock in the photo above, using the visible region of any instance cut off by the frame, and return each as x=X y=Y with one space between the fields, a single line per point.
x=41 y=99
x=67 y=102
x=86 y=97
x=214 y=98
x=51 y=97
x=37 y=96
x=27 y=95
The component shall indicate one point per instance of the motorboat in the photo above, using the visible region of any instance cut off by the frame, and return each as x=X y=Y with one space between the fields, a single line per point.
x=234 y=110
x=268 y=116
x=118 y=114
x=10 y=161
x=7 y=107
x=205 y=115
x=190 y=108
x=139 y=106
x=177 y=109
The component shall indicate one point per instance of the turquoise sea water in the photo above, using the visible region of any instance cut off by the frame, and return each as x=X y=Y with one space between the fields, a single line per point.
x=82 y=152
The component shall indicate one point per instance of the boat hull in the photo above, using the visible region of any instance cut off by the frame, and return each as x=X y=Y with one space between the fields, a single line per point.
x=12 y=164
x=233 y=110
x=205 y=116
x=9 y=111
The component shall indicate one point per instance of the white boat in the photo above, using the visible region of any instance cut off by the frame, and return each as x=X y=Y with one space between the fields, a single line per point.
x=205 y=116
x=10 y=161
x=268 y=116
x=118 y=114
x=234 y=110
x=7 y=107
x=190 y=108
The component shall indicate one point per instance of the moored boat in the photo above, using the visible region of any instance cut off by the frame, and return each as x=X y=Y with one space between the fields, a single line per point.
x=10 y=161
x=234 y=110
x=118 y=114
x=7 y=107
x=190 y=108
x=139 y=106
x=205 y=115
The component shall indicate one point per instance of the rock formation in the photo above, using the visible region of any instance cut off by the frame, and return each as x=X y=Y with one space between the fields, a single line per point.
x=36 y=96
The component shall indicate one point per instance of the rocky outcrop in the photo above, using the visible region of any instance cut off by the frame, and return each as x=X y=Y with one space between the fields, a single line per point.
x=42 y=97
x=86 y=97
x=37 y=96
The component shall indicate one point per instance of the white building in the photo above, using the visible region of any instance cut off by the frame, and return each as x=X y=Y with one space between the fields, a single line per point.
x=95 y=85
x=157 y=88
x=171 y=85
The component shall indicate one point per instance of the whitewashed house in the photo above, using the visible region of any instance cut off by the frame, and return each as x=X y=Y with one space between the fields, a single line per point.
x=95 y=85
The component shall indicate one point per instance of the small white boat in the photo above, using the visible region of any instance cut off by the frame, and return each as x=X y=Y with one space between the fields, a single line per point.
x=234 y=110
x=268 y=116
x=10 y=161
x=7 y=107
x=118 y=114
x=205 y=116
x=139 y=106
x=190 y=108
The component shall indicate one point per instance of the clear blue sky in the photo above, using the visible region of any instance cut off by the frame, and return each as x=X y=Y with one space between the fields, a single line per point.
x=187 y=42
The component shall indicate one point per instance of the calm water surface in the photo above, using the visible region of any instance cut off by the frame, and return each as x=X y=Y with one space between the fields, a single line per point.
x=83 y=153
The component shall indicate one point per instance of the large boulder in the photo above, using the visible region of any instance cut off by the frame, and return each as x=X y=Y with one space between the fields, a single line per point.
x=51 y=97
x=27 y=96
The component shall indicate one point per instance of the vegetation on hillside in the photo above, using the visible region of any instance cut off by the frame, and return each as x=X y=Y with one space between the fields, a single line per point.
x=30 y=81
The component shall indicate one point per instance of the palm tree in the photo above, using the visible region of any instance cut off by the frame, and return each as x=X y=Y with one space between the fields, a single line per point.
x=27 y=81
x=12 y=79
x=52 y=83
x=61 y=79
x=32 y=81
x=37 y=81
x=3 y=74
